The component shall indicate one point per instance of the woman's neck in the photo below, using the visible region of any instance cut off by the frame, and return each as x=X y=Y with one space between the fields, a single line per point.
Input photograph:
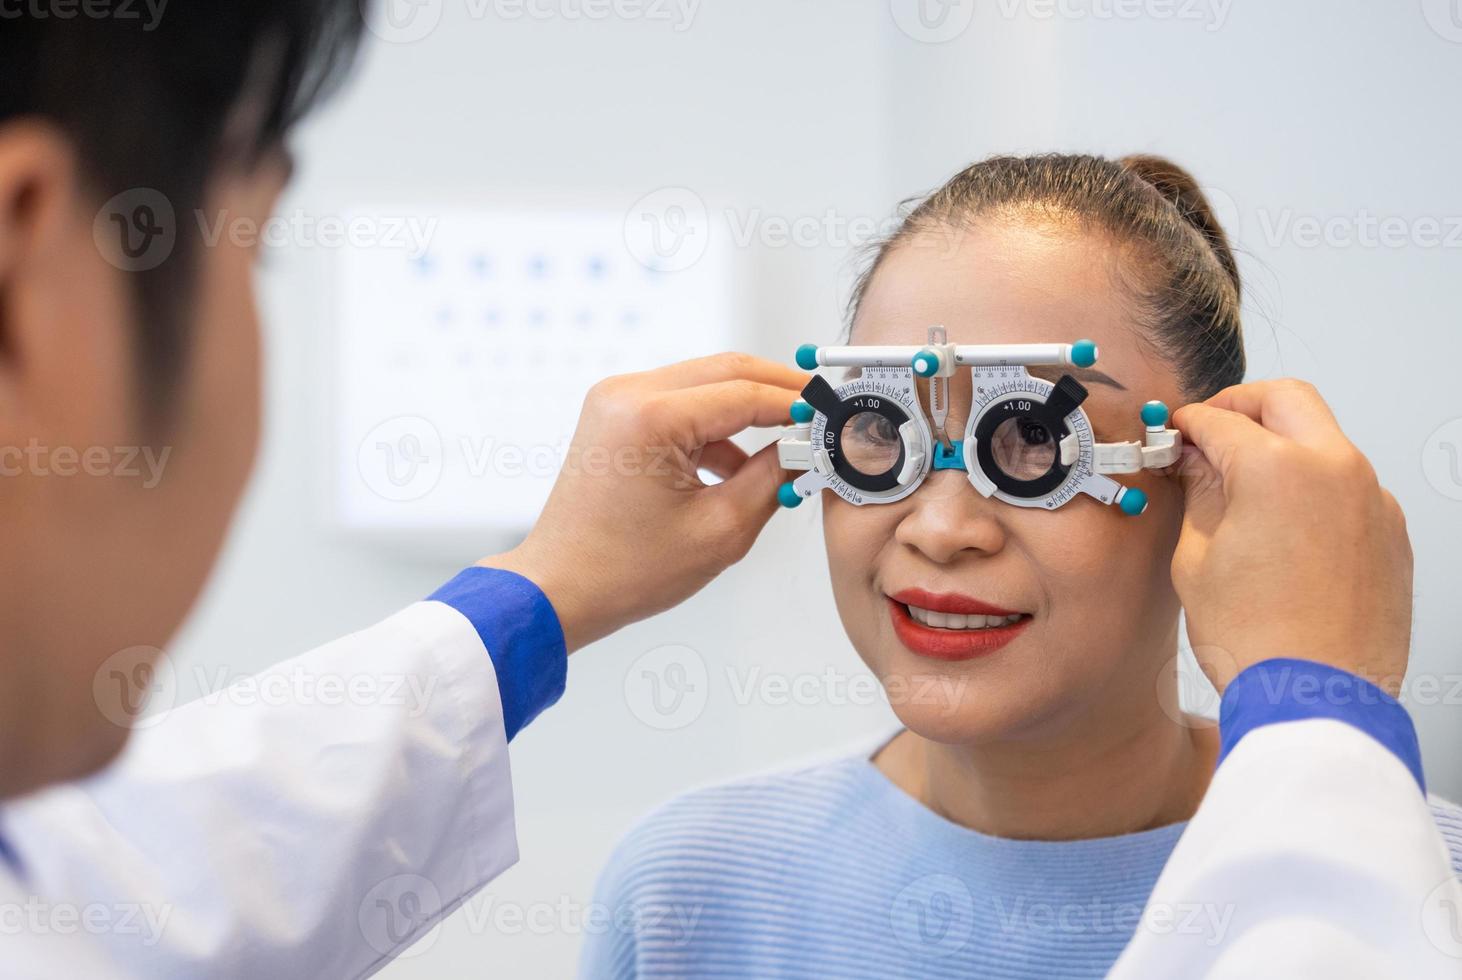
x=1117 y=770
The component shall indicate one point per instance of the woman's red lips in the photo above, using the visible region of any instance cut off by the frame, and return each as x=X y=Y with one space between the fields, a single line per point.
x=958 y=605
x=950 y=644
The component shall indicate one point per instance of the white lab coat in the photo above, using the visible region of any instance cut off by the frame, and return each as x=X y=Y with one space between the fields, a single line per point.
x=1320 y=843
x=275 y=841
x=303 y=840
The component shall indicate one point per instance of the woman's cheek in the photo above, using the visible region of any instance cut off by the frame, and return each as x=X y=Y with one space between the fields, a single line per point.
x=856 y=538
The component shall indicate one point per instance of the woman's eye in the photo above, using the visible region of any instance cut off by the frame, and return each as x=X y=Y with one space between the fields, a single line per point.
x=1034 y=434
x=874 y=428
x=871 y=443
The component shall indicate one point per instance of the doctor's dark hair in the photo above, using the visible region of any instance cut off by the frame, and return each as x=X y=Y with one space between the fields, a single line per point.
x=166 y=98
x=1182 y=277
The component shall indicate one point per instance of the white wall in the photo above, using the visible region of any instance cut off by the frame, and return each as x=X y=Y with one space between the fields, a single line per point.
x=787 y=108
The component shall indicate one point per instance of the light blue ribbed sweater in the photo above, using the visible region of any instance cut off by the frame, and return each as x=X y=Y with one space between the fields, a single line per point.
x=834 y=872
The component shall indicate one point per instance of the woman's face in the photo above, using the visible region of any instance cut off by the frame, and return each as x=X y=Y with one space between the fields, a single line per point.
x=1099 y=612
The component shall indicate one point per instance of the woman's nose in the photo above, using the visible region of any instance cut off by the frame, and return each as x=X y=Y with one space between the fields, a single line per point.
x=948 y=516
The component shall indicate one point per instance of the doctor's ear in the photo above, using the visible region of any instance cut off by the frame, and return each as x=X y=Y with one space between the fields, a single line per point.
x=38 y=198
x=38 y=190
x=65 y=311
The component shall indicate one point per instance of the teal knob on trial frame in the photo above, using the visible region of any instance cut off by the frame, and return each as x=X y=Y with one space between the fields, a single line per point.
x=1154 y=414
x=802 y=412
x=807 y=357
x=1084 y=353
x=926 y=363
x=1133 y=502
x=788 y=496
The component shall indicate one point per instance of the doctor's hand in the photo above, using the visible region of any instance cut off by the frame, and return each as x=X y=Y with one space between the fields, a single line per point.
x=1289 y=546
x=629 y=529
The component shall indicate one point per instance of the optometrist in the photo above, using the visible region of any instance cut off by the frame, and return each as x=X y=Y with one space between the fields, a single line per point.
x=245 y=839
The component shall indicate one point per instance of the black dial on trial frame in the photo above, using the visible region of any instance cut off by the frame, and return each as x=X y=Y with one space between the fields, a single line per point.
x=821 y=396
x=1033 y=416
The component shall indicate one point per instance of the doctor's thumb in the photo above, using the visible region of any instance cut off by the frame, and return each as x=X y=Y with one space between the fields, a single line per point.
x=1202 y=486
x=752 y=490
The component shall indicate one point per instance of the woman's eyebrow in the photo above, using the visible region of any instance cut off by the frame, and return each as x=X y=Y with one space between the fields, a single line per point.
x=1053 y=372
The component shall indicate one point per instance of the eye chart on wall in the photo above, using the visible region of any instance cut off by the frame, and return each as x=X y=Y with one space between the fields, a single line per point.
x=461 y=366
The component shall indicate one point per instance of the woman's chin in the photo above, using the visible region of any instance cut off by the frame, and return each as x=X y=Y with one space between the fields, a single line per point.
x=959 y=719
x=953 y=705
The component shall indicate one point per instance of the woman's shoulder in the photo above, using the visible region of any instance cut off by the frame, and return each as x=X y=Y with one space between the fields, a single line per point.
x=784 y=804
x=711 y=880
x=1449 y=822
x=759 y=828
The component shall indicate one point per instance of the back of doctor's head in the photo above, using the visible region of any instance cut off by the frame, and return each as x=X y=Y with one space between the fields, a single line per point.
x=1181 y=278
x=165 y=96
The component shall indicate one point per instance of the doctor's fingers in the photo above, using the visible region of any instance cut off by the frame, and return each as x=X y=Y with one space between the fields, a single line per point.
x=722 y=458
x=710 y=413
x=1232 y=445
x=747 y=501
x=1250 y=457
x=730 y=366
x=1285 y=406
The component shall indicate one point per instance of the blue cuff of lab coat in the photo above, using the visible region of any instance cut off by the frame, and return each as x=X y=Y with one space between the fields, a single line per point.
x=1286 y=689
x=522 y=634
x=10 y=859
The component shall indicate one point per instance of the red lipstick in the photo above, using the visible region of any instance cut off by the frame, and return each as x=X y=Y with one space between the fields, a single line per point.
x=945 y=644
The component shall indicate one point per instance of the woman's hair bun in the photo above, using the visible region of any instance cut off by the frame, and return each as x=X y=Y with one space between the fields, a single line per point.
x=1179 y=187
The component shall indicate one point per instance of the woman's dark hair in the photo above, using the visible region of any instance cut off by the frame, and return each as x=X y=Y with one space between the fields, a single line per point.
x=164 y=96
x=1183 y=279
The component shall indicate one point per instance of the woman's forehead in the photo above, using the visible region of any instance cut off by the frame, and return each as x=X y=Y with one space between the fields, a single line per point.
x=994 y=284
